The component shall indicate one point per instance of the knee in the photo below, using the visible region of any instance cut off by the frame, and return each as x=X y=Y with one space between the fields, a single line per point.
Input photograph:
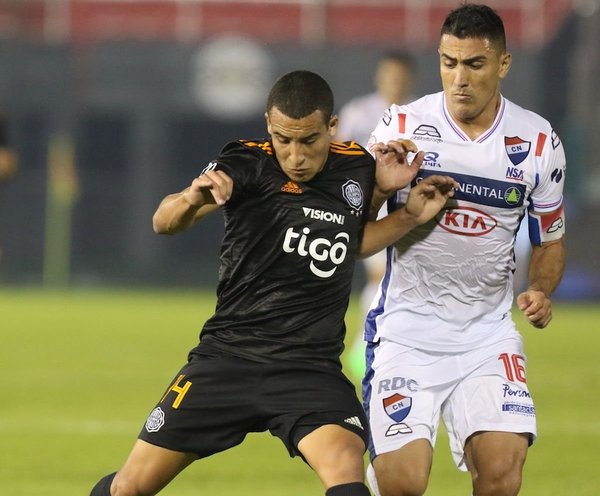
x=124 y=486
x=345 y=463
x=501 y=478
x=411 y=482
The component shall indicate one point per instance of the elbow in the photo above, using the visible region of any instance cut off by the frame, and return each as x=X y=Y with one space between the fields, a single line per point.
x=159 y=226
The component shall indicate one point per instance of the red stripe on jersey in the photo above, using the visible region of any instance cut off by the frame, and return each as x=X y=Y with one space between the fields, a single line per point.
x=402 y=123
x=540 y=144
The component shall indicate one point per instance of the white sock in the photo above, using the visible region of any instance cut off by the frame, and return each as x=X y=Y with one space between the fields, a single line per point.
x=372 y=480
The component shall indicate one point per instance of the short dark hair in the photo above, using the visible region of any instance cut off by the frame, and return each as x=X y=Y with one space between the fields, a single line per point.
x=401 y=57
x=475 y=21
x=298 y=94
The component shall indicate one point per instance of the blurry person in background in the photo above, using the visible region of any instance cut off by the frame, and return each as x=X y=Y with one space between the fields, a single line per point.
x=8 y=158
x=394 y=81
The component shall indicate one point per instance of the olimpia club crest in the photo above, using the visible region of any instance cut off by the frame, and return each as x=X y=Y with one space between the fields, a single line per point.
x=517 y=149
x=155 y=420
x=353 y=194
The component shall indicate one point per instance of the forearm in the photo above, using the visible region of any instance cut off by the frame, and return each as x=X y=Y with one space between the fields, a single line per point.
x=382 y=233
x=176 y=214
x=378 y=199
x=546 y=266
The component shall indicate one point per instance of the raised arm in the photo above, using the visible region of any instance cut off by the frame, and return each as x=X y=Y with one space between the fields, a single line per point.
x=395 y=171
x=424 y=201
x=179 y=211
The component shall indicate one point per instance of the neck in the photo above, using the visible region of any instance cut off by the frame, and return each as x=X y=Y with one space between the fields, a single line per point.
x=479 y=124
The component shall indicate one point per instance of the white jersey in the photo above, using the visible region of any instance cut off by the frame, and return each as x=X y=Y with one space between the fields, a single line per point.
x=448 y=283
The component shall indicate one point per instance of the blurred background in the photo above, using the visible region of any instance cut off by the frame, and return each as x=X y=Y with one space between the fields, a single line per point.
x=111 y=105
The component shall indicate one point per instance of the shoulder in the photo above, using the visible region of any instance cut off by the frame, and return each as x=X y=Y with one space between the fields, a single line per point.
x=348 y=149
x=527 y=118
x=402 y=120
x=248 y=148
x=426 y=107
x=537 y=129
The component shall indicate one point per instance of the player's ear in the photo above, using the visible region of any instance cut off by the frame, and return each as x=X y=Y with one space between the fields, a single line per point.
x=333 y=125
x=505 y=63
x=268 y=122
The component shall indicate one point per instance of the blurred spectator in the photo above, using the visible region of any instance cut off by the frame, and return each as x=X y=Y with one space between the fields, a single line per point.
x=393 y=81
x=8 y=160
x=393 y=84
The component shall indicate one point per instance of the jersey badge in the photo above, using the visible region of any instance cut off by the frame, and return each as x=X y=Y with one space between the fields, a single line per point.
x=156 y=420
x=427 y=130
x=516 y=148
x=397 y=406
x=292 y=187
x=353 y=194
x=515 y=173
x=431 y=159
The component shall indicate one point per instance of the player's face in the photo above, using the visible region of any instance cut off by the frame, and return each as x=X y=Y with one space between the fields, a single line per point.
x=394 y=81
x=301 y=145
x=471 y=70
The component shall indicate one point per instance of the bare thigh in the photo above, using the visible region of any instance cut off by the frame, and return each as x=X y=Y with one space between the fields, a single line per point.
x=406 y=470
x=148 y=469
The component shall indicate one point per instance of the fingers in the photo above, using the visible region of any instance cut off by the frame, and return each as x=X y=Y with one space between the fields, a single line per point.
x=444 y=185
x=397 y=146
x=211 y=187
x=536 y=307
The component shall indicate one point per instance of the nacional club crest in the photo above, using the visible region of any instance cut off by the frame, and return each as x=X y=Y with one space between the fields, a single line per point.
x=517 y=149
x=353 y=194
x=397 y=406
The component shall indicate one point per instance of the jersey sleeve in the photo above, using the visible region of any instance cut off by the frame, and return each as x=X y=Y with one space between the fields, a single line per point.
x=390 y=126
x=546 y=212
x=547 y=195
x=239 y=163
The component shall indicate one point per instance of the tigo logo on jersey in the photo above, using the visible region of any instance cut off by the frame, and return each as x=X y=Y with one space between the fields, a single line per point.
x=466 y=221
x=517 y=149
x=320 y=250
x=397 y=406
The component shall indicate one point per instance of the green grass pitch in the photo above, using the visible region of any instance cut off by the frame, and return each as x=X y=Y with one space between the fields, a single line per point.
x=81 y=370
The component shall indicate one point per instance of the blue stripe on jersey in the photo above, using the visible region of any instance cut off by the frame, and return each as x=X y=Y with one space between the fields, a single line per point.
x=367 y=388
x=484 y=191
x=370 y=324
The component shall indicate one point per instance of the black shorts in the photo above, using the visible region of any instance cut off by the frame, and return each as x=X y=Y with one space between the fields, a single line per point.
x=217 y=399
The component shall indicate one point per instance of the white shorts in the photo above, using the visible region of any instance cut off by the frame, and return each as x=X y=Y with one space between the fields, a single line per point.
x=406 y=390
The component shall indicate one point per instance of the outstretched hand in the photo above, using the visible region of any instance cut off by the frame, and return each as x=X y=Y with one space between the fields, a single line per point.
x=429 y=196
x=393 y=169
x=212 y=187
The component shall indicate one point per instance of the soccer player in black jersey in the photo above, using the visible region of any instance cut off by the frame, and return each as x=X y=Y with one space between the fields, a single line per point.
x=296 y=207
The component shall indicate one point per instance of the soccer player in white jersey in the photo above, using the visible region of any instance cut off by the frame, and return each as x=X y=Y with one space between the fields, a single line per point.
x=441 y=339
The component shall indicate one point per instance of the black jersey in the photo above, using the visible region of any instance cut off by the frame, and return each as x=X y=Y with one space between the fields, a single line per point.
x=288 y=254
